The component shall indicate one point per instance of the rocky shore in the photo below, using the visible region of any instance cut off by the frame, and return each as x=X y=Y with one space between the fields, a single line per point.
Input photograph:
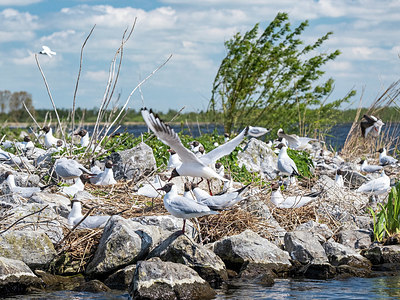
x=145 y=254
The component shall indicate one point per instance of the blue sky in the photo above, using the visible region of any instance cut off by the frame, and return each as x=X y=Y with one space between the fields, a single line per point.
x=367 y=32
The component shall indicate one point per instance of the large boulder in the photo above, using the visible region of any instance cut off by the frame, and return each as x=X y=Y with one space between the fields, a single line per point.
x=308 y=255
x=339 y=254
x=121 y=279
x=167 y=223
x=33 y=248
x=258 y=157
x=248 y=250
x=123 y=242
x=133 y=163
x=16 y=277
x=37 y=217
x=181 y=249
x=59 y=203
x=383 y=255
x=155 y=279
x=322 y=231
x=355 y=238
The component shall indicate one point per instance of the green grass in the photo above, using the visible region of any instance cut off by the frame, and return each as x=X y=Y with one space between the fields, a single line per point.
x=387 y=220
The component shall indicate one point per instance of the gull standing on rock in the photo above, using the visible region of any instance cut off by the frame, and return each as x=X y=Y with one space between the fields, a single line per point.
x=181 y=207
x=192 y=165
x=75 y=216
x=106 y=177
x=47 y=51
x=385 y=159
x=49 y=139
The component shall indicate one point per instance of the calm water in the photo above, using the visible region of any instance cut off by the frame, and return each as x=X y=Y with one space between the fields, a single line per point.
x=353 y=288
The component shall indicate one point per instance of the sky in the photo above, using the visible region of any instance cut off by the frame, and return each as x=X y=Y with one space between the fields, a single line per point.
x=366 y=32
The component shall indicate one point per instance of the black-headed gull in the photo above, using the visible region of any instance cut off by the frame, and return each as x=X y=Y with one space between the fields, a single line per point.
x=49 y=139
x=188 y=191
x=219 y=168
x=69 y=168
x=376 y=186
x=47 y=51
x=292 y=201
x=151 y=189
x=23 y=191
x=371 y=125
x=220 y=201
x=294 y=141
x=365 y=167
x=181 y=207
x=105 y=177
x=75 y=216
x=385 y=159
x=173 y=161
x=78 y=186
x=84 y=134
x=192 y=165
x=197 y=148
x=286 y=165
x=26 y=144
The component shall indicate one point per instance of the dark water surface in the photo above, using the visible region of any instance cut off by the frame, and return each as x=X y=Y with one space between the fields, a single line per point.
x=353 y=288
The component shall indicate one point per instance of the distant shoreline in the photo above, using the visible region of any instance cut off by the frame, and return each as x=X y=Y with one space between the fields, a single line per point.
x=25 y=125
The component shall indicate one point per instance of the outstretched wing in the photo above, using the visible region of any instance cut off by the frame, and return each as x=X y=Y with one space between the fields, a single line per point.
x=225 y=149
x=168 y=136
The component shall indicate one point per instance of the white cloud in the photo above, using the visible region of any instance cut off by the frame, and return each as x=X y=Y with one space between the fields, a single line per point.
x=100 y=76
x=18 y=2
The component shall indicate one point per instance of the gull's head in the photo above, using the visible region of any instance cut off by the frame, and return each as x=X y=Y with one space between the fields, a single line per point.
x=280 y=131
x=27 y=139
x=280 y=146
x=226 y=135
x=201 y=149
x=172 y=151
x=166 y=188
x=194 y=185
x=81 y=132
x=60 y=143
x=6 y=174
x=218 y=165
x=109 y=164
x=74 y=201
x=361 y=161
x=46 y=129
x=188 y=186
x=275 y=186
x=381 y=150
x=85 y=178
x=174 y=173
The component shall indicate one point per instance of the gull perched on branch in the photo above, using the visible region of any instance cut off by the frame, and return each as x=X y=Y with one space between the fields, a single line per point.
x=47 y=51
x=191 y=164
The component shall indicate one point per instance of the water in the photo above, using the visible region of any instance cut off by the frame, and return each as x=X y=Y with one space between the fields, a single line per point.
x=353 y=288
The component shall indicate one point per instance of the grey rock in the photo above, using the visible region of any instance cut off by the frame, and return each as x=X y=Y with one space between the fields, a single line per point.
x=155 y=279
x=383 y=254
x=167 y=223
x=33 y=248
x=339 y=254
x=364 y=222
x=179 y=248
x=16 y=277
x=257 y=207
x=239 y=251
x=133 y=163
x=57 y=282
x=353 y=179
x=47 y=221
x=322 y=231
x=357 y=239
x=123 y=242
x=304 y=247
x=259 y=158
x=92 y=286
x=121 y=279
x=59 y=203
